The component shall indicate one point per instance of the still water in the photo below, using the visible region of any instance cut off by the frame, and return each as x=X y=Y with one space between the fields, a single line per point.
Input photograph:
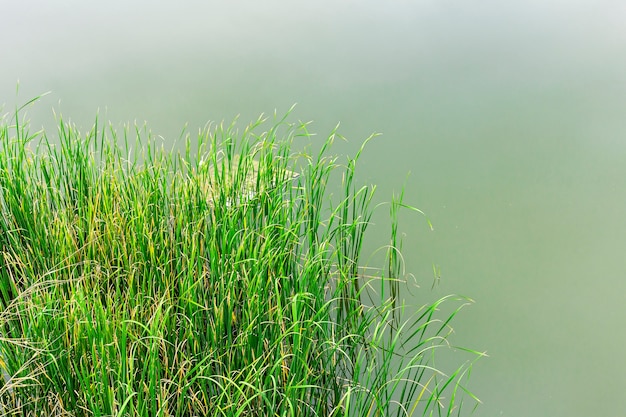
x=510 y=117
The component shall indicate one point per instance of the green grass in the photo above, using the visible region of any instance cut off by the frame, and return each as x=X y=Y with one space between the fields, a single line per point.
x=221 y=280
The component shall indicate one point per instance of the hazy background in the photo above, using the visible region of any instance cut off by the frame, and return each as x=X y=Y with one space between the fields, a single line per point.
x=510 y=117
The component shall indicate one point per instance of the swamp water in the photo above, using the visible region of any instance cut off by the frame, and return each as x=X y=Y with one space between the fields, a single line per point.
x=509 y=117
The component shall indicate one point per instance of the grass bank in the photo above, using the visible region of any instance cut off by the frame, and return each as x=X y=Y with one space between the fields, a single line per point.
x=222 y=280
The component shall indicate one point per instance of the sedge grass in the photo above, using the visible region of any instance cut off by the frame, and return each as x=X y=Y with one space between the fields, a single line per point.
x=216 y=281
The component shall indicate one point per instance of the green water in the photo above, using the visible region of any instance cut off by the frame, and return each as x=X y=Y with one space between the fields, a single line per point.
x=509 y=116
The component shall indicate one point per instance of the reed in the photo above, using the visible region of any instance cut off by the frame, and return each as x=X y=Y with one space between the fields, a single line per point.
x=221 y=280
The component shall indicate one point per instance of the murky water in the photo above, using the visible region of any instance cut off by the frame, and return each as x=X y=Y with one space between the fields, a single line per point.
x=509 y=116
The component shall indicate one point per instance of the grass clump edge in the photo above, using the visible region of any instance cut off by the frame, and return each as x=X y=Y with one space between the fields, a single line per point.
x=219 y=280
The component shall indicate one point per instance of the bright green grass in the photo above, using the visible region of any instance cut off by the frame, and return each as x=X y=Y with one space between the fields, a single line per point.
x=222 y=280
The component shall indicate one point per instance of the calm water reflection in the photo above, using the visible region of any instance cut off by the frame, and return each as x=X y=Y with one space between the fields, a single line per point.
x=509 y=115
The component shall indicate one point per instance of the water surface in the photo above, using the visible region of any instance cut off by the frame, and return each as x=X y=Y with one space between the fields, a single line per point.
x=509 y=116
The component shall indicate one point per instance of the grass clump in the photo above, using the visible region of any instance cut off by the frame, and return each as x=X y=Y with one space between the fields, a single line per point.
x=222 y=280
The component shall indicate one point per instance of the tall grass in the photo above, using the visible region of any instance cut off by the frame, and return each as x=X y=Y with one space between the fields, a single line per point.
x=221 y=280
